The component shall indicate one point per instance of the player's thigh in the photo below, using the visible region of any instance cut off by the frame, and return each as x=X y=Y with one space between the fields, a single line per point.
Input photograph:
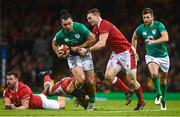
x=131 y=75
x=78 y=73
x=89 y=75
x=74 y=61
x=164 y=63
x=62 y=101
x=87 y=62
x=113 y=67
x=153 y=65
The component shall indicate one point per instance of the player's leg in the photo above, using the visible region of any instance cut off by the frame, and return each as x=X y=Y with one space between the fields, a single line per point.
x=49 y=87
x=112 y=69
x=90 y=88
x=47 y=83
x=163 y=77
x=131 y=77
x=62 y=102
x=128 y=61
x=75 y=64
x=164 y=68
x=153 y=66
x=49 y=103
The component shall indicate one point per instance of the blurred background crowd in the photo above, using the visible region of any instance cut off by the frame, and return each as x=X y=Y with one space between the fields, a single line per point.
x=27 y=28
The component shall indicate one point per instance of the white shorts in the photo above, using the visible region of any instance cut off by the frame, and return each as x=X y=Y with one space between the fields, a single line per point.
x=85 y=62
x=164 y=62
x=49 y=103
x=124 y=60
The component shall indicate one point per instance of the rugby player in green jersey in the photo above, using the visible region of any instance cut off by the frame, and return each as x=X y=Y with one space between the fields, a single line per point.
x=155 y=36
x=76 y=35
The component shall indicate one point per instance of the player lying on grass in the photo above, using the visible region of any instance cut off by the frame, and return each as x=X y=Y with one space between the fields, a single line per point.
x=19 y=96
x=60 y=87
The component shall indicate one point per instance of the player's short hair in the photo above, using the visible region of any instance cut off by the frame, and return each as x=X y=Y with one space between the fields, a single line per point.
x=14 y=73
x=147 y=10
x=65 y=15
x=94 y=11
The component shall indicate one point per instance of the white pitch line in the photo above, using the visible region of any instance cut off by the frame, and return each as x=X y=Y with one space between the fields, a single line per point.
x=110 y=111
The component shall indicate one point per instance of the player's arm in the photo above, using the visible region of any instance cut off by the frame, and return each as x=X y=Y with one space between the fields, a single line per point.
x=7 y=103
x=134 y=42
x=164 y=38
x=97 y=46
x=101 y=43
x=55 y=49
x=25 y=104
x=90 y=40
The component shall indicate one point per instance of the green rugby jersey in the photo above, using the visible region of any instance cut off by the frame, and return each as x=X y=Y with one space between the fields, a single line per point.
x=153 y=32
x=74 y=38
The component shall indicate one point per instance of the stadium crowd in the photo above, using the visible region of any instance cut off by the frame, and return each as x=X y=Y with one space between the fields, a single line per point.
x=27 y=29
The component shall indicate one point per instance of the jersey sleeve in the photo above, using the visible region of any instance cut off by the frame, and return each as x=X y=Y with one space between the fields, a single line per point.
x=104 y=27
x=58 y=38
x=5 y=94
x=84 y=30
x=162 y=28
x=137 y=31
x=25 y=93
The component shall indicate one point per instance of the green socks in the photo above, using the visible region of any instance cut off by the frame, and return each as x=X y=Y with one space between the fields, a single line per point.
x=92 y=98
x=163 y=90
x=156 y=82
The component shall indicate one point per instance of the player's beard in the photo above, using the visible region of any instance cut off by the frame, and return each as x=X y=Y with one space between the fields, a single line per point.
x=11 y=86
x=148 y=23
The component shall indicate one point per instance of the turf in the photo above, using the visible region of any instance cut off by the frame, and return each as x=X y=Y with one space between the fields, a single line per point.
x=103 y=108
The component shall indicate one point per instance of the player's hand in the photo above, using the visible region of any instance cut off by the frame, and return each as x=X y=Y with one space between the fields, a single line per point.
x=82 y=51
x=75 y=49
x=7 y=107
x=66 y=54
x=12 y=106
x=149 y=41
x=60 y=54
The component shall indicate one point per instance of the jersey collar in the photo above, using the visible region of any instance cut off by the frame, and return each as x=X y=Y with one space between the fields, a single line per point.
x=99 y=22
x=16 y=90
x=152 y=24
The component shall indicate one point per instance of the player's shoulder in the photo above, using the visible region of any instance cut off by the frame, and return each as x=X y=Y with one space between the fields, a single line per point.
x=23 y=87
x=141 y=26
x=105 y=22
x=6 y=91
x=60 y=33
x=77 y=24
x=158 y=23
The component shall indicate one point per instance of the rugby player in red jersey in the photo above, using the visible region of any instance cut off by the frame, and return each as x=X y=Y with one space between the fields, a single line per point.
x=19 y=96
x=123 y=54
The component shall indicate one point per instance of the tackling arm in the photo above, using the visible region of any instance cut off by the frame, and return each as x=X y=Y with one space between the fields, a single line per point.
x=101 y=43
x=89 y=42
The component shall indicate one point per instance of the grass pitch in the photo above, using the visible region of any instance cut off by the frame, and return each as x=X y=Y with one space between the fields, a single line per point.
x=103 y=108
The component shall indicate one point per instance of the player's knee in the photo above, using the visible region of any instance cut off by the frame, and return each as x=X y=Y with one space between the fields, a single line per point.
x=154 y=75
x=134 y=84
x=109 y=76
x=81 y=79
x=91 y=81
